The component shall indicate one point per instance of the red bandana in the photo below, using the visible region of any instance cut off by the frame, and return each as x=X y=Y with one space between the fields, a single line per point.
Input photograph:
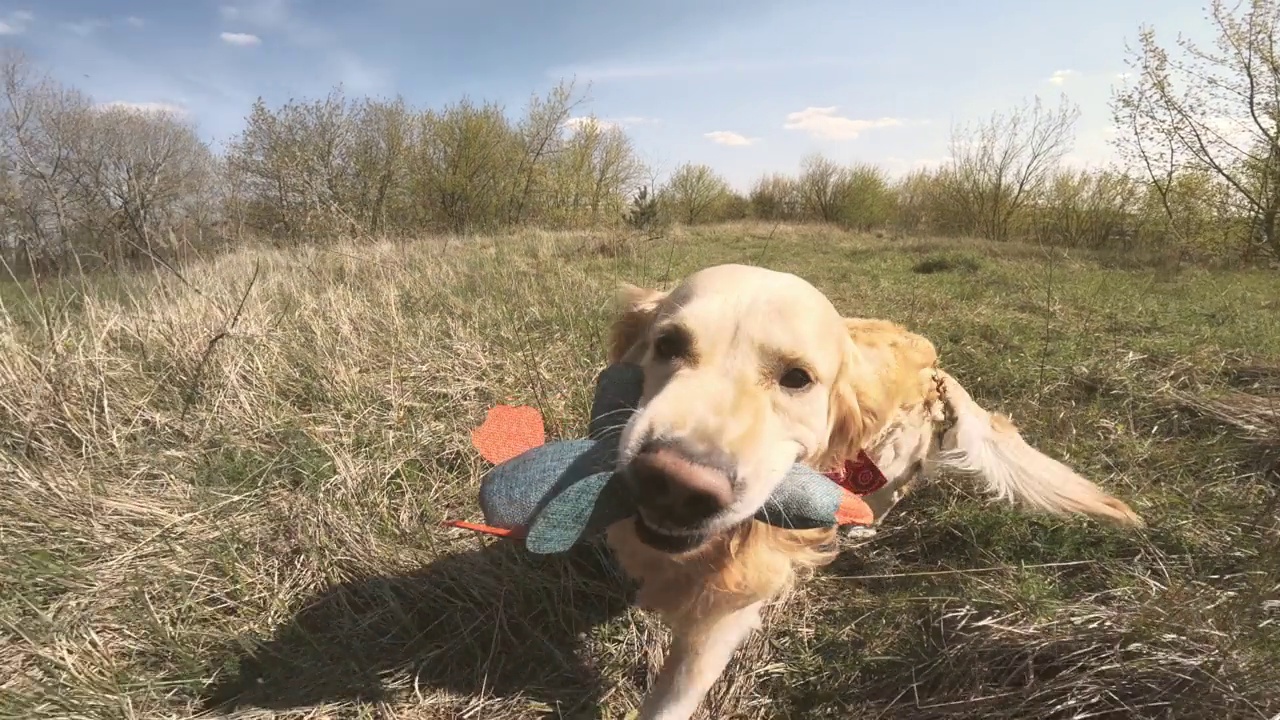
x=859 y=476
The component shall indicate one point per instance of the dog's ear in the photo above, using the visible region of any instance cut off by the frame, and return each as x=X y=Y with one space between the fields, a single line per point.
x=885 y=368
x=860 y=403
x=637 y=308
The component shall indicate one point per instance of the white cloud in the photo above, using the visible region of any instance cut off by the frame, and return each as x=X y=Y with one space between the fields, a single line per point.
x=581 y=121
x=277 y=17
x=144 y=107
x=241 y=39
x=278 y=21
x=1060 y=76
x=727 y=137
x=574 y=123
x=823 y=123
x=134 y=21
x=15 y=23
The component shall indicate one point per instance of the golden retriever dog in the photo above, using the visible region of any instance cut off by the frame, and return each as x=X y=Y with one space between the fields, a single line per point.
x=747 y=371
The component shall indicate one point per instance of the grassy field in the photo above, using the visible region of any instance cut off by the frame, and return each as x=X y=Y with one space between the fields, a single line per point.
x=221 y=493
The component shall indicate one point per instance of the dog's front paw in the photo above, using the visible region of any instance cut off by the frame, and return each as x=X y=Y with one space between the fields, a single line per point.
x=859 y=532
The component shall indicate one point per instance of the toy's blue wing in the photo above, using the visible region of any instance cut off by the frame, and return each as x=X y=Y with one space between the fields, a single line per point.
x=588 y=497
x=618 y=390
x=579 y=511
x=804 y=499
x=513 y=492
x=562 y=492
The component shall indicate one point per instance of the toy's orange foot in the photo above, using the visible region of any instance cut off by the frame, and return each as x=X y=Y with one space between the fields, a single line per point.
x=507 y=432
x=514 y=533
x=854 y=510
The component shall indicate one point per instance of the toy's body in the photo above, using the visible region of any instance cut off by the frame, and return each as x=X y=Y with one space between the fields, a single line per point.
x=554 y=495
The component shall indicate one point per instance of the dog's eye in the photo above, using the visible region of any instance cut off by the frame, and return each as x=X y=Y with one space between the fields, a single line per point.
x=795 y=379
x=671 y=345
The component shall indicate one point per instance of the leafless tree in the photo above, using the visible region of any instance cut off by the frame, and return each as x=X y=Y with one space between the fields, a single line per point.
x=540 y=133
x=595 y=172
x=854 y=196
x=144 y=174
x=914 y=196
x=821 y=187
x=466 y=165
x=775 y=196
x=92 y=183
x=43 y=123
x=1088 y=208
x=383 y=136
x=295 y=162
x=999 y=165
x=1215 y=110
x=694 y=194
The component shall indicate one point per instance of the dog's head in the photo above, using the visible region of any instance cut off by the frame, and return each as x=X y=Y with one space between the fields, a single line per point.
x=747 y=371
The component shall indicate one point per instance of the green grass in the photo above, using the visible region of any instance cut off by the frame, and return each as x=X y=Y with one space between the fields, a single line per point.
x=188 y=521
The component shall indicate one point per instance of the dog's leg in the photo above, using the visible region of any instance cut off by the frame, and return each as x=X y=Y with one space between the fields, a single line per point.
x=697 y=657
x=883 y=501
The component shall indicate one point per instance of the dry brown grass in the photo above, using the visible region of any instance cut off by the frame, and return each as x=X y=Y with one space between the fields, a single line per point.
x=229 y=489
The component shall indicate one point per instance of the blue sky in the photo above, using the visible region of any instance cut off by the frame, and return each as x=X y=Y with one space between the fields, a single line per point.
x=745 y=86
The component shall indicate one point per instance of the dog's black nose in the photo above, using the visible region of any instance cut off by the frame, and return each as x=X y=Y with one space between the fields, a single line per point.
x=679 y=486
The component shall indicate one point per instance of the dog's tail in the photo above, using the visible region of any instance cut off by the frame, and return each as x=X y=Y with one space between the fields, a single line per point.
x=987 y=446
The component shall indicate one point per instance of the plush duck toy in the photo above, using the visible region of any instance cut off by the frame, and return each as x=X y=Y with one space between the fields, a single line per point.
x=554 y=495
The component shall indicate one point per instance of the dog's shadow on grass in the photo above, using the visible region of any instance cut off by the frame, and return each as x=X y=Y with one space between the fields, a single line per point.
x=498 y=622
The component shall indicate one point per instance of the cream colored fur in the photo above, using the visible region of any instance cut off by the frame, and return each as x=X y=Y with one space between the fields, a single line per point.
x=875 y=387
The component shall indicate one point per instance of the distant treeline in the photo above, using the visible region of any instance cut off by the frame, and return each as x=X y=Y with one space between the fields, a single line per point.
x=92 y=185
